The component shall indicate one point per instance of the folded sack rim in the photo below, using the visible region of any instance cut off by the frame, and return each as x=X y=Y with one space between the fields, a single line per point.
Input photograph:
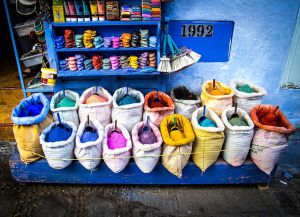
x=33 y=119
x=210 y=113
x=218 y=83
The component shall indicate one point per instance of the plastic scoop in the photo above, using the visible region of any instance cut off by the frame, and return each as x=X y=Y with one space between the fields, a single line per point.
x=202 y=118
x=235 y=114
x=156 y=99
x=60 y=124
x=175 y=127
x=146 y=128
x=89 y=128
x=116 y=130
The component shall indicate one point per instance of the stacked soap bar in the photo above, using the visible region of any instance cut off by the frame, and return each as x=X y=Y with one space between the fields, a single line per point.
x=146 y=10
x=155 y=9
x=112 y=10
x=135 y=14
x=125 y=13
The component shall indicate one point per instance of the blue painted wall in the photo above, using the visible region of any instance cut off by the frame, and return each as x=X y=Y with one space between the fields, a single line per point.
x=261 y=40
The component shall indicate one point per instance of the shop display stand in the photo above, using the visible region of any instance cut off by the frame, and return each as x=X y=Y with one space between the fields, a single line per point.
x=40 y=172
x=45 y=89
x=219 y=173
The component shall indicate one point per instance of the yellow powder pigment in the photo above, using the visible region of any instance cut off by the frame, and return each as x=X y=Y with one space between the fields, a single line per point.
x=176 y=135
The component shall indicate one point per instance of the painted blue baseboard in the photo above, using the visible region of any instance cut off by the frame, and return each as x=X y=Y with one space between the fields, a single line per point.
x=219 y=173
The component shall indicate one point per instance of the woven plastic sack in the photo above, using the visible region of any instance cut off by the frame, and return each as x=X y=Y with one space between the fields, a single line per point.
x=217 y=103
x=176 y=153
x=128 y=115
x=98 y=111
x=30 y=118
x=146 y=156
x=269 y=141
x=65 y=113
x=209 y=140
x=89 y=153
x=185 y=106
x=237 y=138
x=247 y=101
x=116 y=159
x=156 y=115
x=59 y=154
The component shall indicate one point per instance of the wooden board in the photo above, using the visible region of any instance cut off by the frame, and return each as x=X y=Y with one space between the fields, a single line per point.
x=219 y=173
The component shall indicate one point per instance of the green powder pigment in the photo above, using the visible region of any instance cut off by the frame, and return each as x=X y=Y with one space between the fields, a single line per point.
x=65 y=102
x=238 y=122
x=245 y=88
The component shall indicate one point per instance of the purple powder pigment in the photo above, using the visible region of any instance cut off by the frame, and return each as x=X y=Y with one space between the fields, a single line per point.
x=147 y=137
x=116 y=140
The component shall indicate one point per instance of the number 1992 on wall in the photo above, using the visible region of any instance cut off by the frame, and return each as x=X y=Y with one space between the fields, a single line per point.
x=189 y=30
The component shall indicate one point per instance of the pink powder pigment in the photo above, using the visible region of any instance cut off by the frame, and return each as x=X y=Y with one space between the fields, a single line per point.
x=116 y=140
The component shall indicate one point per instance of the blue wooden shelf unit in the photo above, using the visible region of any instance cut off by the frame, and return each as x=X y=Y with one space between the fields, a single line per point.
x=219 y=173
x=110 y=79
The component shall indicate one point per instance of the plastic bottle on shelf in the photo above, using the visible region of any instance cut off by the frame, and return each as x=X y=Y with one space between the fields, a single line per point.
x=66 y=9
x=101 y=10
x=79 y=10
x=94 y=10
x=86 y=11
x=72 y=10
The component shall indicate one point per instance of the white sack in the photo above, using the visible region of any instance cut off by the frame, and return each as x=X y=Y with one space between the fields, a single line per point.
x=128 y=115
x=143 y=153
x=266 y=149
x=185 y=107
x=116 y=159
x=247 y=101
x=66 y=113
x=92 y=149
x=237 y=138
x=97 y=111
x=56 y=151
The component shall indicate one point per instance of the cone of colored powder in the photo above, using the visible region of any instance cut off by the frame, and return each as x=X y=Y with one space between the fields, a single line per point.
x=217 y=92
x=65 y=102
x=116 y=140
x=95 y=99
x=176 y=135
x=245 y=88
x=147 y=137
x=238 y=122
x=207 y=123
x=127 y=100
x=89 y=135
x=58 y=133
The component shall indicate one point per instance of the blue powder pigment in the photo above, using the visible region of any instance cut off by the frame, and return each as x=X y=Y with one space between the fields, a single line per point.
x=31 y=110
x=89 y=135
x=127 y=100
x=207 y=123
x=59 y=132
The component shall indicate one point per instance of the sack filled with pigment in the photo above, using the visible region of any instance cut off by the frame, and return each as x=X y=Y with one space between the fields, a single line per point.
x=88 y=147
x=238 y=136
x=270 y=137
x=209 y=138
x=217 y=99
x=66 y=104
x=116 y=147
x=186 y=102
x=127 y=107
x=157 y=106
x=178 y=136
x=247 y=95
x=97 y=103
x=30 y=118
x=58 y=142
x=146 y=146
